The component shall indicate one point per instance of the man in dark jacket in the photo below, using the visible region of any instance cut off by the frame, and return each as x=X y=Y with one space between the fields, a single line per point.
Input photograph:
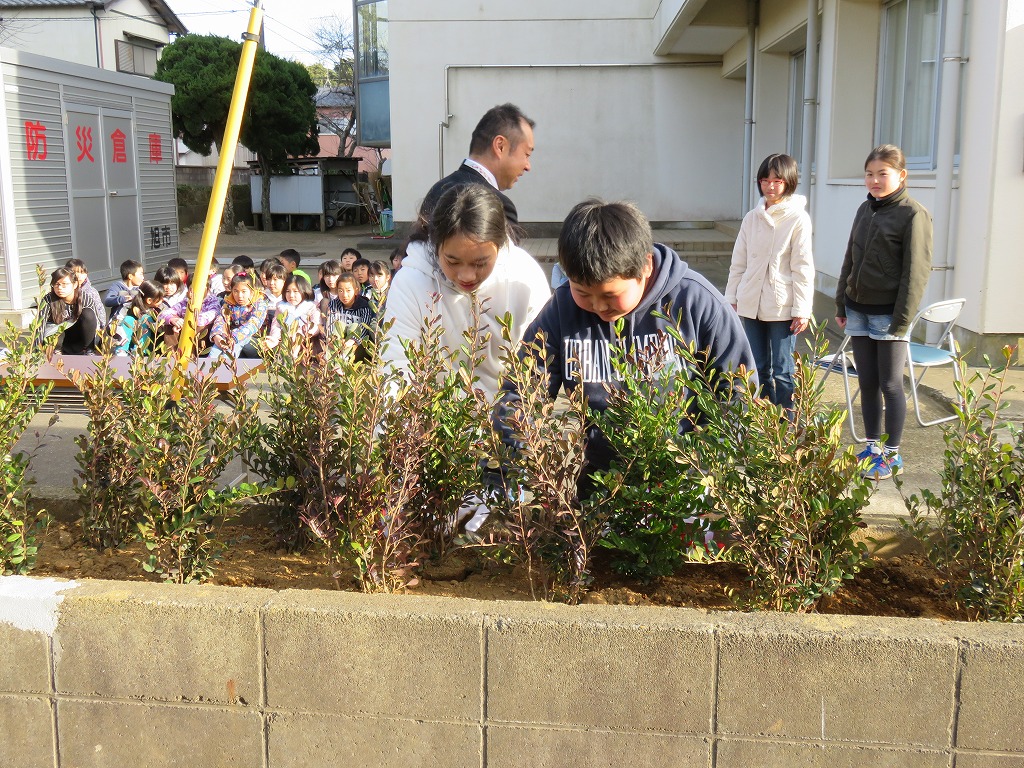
x=499 y=153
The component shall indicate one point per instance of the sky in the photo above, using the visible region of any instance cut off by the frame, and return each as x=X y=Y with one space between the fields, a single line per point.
x=289 y=24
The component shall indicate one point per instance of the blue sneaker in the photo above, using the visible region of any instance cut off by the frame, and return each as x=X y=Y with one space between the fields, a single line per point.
x=883 y=466
x=867 y=454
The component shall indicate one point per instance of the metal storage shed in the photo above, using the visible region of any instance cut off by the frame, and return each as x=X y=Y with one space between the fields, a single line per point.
x=86 y=171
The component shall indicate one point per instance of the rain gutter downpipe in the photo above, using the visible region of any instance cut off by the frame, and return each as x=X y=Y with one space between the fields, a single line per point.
x=747 y=201
x=945 y=144
x=809 y=124
x=99 y=42
x=624 y=65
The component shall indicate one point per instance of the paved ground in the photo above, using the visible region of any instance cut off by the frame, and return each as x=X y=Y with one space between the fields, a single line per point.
x=54 y=467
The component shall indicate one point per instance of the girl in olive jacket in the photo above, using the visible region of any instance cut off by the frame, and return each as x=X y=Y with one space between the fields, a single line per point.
x=881 y=284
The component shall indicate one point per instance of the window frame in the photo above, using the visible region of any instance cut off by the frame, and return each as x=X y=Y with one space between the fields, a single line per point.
x=893 y=74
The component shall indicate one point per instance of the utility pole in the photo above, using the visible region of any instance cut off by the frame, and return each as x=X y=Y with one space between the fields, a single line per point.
x=263 y=28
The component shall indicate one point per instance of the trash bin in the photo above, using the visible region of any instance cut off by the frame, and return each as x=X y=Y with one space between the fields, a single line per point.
x=387 y=222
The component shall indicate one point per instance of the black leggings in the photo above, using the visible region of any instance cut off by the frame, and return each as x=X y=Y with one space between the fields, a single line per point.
x=880 y=374
x=80 y=336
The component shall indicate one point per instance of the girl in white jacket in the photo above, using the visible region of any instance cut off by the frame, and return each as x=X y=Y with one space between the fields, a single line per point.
x=468 y=259
x=771 y=279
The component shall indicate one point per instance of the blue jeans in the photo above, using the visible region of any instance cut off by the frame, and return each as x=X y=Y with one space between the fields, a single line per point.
x=773 y=345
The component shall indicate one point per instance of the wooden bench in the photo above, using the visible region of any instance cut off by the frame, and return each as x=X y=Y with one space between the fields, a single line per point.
x=65 y=396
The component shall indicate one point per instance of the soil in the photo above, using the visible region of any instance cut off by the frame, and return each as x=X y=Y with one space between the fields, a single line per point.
x=906 y=585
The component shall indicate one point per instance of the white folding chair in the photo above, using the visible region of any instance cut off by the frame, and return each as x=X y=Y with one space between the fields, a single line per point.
x=921 y=356
x=842 y=360
x=943 y=315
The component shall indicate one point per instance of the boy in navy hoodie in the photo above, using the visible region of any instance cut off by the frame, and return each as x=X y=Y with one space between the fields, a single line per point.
x=616 y=271
x=123 y=291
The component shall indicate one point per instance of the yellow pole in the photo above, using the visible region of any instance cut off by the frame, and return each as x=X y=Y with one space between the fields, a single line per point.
x=220 y=185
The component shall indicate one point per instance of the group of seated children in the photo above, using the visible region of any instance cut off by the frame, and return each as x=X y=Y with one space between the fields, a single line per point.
x=244 y=311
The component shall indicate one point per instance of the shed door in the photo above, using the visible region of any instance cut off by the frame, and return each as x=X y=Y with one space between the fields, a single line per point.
x=104 y=188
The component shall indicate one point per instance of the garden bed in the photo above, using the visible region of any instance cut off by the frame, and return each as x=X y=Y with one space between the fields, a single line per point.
x=905 y=585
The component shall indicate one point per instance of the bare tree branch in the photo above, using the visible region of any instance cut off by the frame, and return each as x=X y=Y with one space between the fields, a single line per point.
x=335 y=74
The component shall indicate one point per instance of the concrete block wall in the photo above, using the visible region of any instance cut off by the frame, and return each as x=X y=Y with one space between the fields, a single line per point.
x=127 y=674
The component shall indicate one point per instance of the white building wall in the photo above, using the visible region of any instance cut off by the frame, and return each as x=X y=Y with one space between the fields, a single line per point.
x=991 y=225
x=671 y=137
x=72 y=34
x=612 y=119
x=65 y=33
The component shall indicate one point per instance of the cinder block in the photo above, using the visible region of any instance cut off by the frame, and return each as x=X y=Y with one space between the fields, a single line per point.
x=509 y=747
x=105 y=734
x=834 y=679
x=991 y=698
x=766 y=754
x=26 y=732
x=24 y=661
x=605 y=669
x=160 y=642
x=359 y=655
x=988 y=760
x=325 y=741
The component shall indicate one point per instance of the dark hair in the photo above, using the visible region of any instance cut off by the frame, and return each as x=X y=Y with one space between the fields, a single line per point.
x=166 y=275
x=361 y=262
x=399 y=252
x=784 y=167
x=147 y=290
x=273 y=267
x=348 y=277
x=380 y=268
x=129 y=268
x=290 y=254
x=243 y=261
x=601 y=241
x=889 y=154
x=77 y=265
x=59 y=274
x=503 y=120
x=301 y=283
x=473 y=210
x=353 y=251
x=245 y=276
x=177 y=263
x=330 y=267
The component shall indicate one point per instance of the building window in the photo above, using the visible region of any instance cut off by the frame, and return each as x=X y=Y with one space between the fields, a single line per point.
x=910 y=75
x=372 y=53
x=135 y=59
x=795 y=128
x=373 y=97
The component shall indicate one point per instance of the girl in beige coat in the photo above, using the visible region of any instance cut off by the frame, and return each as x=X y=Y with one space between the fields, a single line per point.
x=771 y=279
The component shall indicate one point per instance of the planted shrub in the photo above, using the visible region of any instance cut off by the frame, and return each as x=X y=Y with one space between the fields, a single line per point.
x=540 y=523
x=20 y=401
x=788 y=488
x=181 y=448
x=973 y=529
x=458 y=415
x=353 y=433
x=107 y=484
x=651 y=506
x=158 y=450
